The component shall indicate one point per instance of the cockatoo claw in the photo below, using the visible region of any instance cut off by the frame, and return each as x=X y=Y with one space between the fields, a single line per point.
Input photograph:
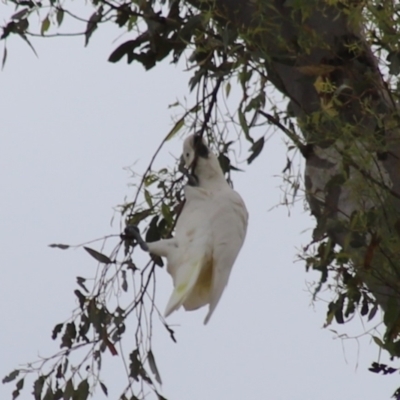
x=192 y=180
x=132 y=232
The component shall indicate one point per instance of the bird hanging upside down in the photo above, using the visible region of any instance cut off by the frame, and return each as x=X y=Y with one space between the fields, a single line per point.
x=209 y=233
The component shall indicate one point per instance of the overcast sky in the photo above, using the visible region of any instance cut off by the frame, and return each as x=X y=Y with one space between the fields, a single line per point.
x=70 y=123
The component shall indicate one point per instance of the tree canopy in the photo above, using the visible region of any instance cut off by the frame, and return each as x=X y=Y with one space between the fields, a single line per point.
x=336 y=64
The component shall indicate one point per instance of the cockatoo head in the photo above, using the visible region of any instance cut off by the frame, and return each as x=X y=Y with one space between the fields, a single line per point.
x=200 y=161
x=194 y=146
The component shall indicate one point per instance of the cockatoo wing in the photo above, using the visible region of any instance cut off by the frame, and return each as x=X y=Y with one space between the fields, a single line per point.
x=228 y=226
x=190 y=263
x=185 y=286
x=210 y=233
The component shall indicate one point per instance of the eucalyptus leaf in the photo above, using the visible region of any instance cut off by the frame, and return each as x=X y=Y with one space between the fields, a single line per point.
x=256 y=150
x=98 y=256
x=153 y=366
x=11 y=376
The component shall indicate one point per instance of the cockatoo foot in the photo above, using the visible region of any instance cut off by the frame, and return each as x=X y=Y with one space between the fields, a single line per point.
x=132 y=232
x=192 y=179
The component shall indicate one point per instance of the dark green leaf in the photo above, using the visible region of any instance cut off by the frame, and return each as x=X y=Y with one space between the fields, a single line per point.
x=329 y=316
x=123 y=15
x=372 y=312
x=153 y=366
x=378 y=342
x=394 y=62
x=174 y=104
x=338 y=306
x=176 y=128
x=245 y=76
x=20 y=14
x=84 y=327
x=256 y=149
x=58 y=394
x=38 y=387
x=153 y=233
x=195 y=79
x=227 y=89
x=148 y=199
x=144 y=376
x=104 y=388
x=335 y=309
x=69 y=335
x=116 y=336
x=69 y=390
x=56 y=330
x=392 y=313
x=224 y=162
x=124 y=49
x=244 y=126
x=150 y=179
x=21 y=26
x=20 y=384
x=9 y=28
x=233 y=168
x=166 y=213
x=351 y=307
x=288 y=165
x=59 y=373
x=82 y=391
x=11 y=376
x=81 y=298
x=60 y=16
x=364 y=308
x=45 y=26
x=193 y=23
x=137 y=217
x=81 y=282
x=65 y=366
x=3 y=62
x=49 y=394
x=135 y=365
x=98 y=256
x=60 y=246
x=256 y=103
x=124 y=281
x=23 y=36
x=18 y=388
x=339 y=316
x=92 y=24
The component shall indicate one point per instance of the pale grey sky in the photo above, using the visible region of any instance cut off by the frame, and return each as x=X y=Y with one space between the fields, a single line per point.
x=70 y=123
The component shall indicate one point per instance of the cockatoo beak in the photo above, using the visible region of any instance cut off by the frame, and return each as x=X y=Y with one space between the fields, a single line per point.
x=192 y=179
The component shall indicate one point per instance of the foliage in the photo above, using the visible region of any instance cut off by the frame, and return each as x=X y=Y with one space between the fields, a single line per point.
x=347 y=132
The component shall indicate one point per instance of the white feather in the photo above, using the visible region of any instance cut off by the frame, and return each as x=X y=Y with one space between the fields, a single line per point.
x=209 y=235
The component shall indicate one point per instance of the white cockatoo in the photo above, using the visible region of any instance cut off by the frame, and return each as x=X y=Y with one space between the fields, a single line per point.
x=209 y=233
